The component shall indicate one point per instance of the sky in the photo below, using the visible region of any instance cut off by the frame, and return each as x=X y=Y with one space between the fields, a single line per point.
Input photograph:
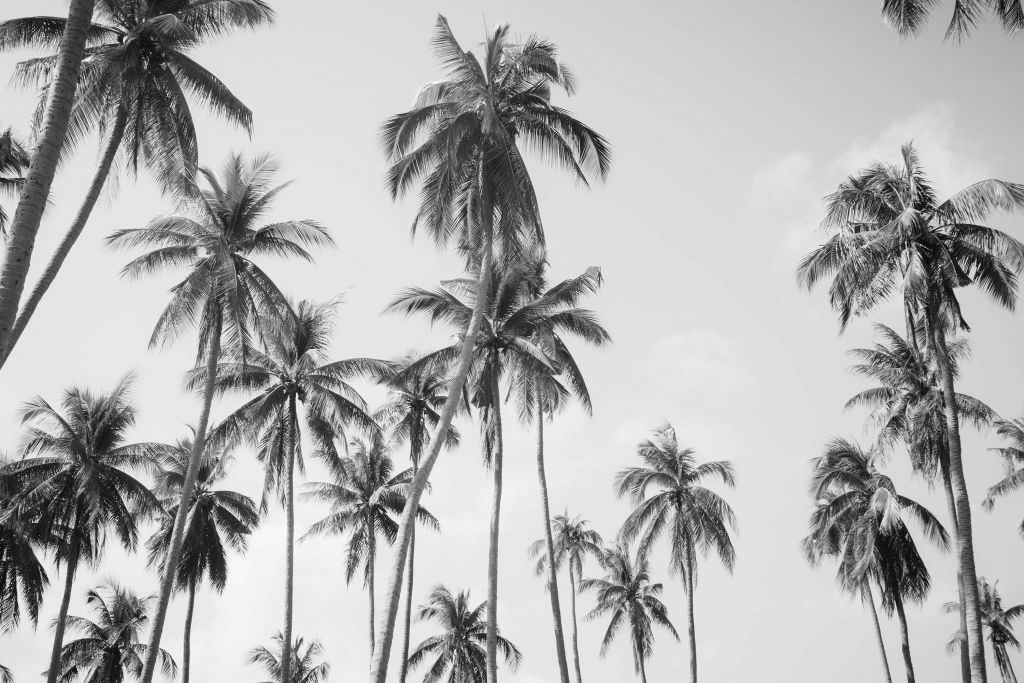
x=729 y=122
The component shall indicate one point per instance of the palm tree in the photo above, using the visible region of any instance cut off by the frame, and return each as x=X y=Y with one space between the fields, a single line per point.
x=628 y=596
x=890 y=232
x=365 y=498
x=76 y=460
x=70 y=36
x=998 y=624
x=696 y=518
x=293 y=371
x=864 y=522
x=23 y=577
x=460 y=649
x=218 y=520
x=573 y=542
x=1013 y=456
x=460 y=143
x=301 y=661
x=416 y=394
x=110 y=649
x=6 y=676
x=13 y=162
x=225 y=294
x=908 y=17
x=133 y=81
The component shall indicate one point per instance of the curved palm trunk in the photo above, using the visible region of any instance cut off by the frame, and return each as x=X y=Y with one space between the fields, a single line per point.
x=62 y=616
x=71 y=236
x=947 y=486
x=289 y=503
x=968 y=572
x=690 y=620
x=403 y=665
x=904 y=635
x=556 y=609
x=379 y=668
x=371 y=560
x=575 y=641
x=186 y=647
x=188 y=488
x=870 y=599
x=492 y=551
x=36 y=188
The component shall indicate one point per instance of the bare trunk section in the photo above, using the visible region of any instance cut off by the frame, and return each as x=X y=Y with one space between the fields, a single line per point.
x=371 y=560
x=575 y=637
x=904 y=635
x=403 y=665
x=289 y=572
x=62 y=616
x=947 y=486
x=870 y=599
x=492 y=551
x=640 y=664
x=690 y=620
x=186 y=646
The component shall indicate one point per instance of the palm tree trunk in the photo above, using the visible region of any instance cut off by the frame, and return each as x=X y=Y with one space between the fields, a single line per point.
x=689 y=613
x=640 y=665
x=497 y=457
x=870 y=599
x=71 y=236
x=289 y=504
x=575 y=642
x=1004 y=663
x=36 y=188
x=556 y=609
x=904 y=635
x=379 y=668
x=403 y=665
x=965 y=655
x=371 y=561
x=62 y=616
x=186 y=647
x=968 y=573
x=188 y=488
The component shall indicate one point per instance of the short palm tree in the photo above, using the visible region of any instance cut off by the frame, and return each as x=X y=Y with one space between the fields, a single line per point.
x=13 y=163
x=889 y=233
x=460 y=143
x=459 y=651
x=225 y=295
x=76 y=460
x=628 y=597
x=365 y=497
x=301 y=661
x=218 y=521
x=132 y=88
x=908 y=17
x=695 y=518
x=1013 y=456
x=110 y=649
x=998 y=626
x=573 y=543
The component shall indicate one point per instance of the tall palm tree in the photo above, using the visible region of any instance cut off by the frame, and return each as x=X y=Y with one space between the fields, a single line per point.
x=293 y=371
x=627 y=595
x=889 y=233
x=1013 y=456
x=908 y=17
x=218 y=520
x=14 y=161
x=864 y=522
x=460 y=143
x=998 y=625
x=23 y=577
x=416 y=394
x=70 y=36
x=365 y=498
x=573 y=543
x=225 y=295
x=132 y=88
x=459 y=652
x=110 y=649
x=696 y=519
x=300 y=661
x=76 y=460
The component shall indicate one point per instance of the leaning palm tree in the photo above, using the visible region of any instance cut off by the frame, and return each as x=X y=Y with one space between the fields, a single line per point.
x=460 y=143
x=132 y=88
x=365 y=497
x=77 y=464
x=300 y=661
x=573 y=543
x=14 y=161
x=695 y=518
x=110 y=649
x=225 y=294
x=998 y=624
x=218 y=520
x=459 y=652
x=890 y=233
x=1013 y=457
x=864 y=522
x=908 y=17
x=23 y=578
x=628 y=597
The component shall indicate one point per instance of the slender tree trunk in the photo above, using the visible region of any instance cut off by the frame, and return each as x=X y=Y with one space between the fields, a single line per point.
x=62 y=616
x=870 y=599
x=71 y=236
x=497 y=458
x=188 y=488
x=968 y=573
x=289 y=504
x=904 y=635
x=36 y=188
x=556 y=609
x=640 y=665
x=965 y=655
x=186 y=647
x=403 y=665
x=575 y=641
x=1003 y=662
x=371 y=560
x=392 y=596
x=690 y=620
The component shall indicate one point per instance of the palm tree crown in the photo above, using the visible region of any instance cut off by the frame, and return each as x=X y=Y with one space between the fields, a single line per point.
x=574 y=542
x=1013 y=456
x=998 y=623
x=13 y=163
x=908 y=17
x=304 y=666
x=23 y=577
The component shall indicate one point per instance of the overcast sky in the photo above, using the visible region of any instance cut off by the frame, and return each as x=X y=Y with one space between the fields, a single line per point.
x=729 y=123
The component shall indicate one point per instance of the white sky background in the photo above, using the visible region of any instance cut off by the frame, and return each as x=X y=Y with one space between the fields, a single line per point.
x=729 y=121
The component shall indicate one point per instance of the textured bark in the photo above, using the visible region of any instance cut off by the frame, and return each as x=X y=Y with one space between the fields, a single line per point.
x=39 y=178
x=690 y=621
x=188 y=488
x=371 y=559
x=497 y=456
x=870 y=599
x=947 y=486
x=62 y=616
x=186 y=646
x=575 y=641
x=289 y=572
x=71 y=236
x=904 y=636
x=403 y=664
